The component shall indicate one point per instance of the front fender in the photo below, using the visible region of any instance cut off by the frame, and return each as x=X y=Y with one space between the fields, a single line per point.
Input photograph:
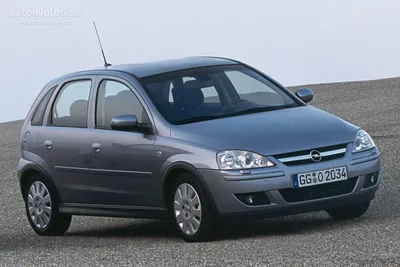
x=191 y=169
x=174 y=151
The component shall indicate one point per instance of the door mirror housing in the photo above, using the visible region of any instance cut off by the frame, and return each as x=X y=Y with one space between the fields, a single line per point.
x=124 y=123
x=305 y=94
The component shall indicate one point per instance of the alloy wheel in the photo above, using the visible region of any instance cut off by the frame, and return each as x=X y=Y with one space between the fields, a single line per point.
x=39 y=204
x=187 y=209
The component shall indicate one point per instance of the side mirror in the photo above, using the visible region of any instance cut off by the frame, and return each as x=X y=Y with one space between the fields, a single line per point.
x=305 y=94
x=124 y=123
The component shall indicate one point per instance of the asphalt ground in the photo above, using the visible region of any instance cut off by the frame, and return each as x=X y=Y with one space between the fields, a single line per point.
x=302 y=240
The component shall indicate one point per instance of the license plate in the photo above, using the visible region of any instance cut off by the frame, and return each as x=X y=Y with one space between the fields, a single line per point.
x=319 y=177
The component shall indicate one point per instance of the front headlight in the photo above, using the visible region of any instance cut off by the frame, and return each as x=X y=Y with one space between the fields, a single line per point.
x=362 y=141
x=239 y=159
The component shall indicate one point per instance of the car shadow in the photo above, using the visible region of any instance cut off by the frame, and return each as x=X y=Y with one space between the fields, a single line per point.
x=275 y=227
x=138 y=228
x=165 y=231
x=297 y=224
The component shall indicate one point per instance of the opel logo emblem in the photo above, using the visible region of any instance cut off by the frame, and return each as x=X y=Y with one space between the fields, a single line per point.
x=315 y=156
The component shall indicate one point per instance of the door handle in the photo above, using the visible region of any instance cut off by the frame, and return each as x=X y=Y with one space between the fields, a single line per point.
x=96 y=147
x=48 y=144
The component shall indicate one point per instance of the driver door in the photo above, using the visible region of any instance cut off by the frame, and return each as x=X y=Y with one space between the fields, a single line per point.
x=122 y=165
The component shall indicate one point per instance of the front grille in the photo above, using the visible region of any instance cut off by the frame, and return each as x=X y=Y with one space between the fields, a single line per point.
x=292 y=195
x=303 y=157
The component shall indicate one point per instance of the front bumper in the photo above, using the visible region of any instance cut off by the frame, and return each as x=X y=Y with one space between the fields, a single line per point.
x=226 y=185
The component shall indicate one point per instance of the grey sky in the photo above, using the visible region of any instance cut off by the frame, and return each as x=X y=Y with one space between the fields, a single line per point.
x=296 y=42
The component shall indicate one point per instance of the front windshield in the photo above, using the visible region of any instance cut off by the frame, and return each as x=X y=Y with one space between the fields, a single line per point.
x=214 y=92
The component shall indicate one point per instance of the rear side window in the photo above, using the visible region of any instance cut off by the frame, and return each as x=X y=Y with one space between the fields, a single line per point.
x=37 y=118
x=71 y=104
x=208 y=90
x=115 y=98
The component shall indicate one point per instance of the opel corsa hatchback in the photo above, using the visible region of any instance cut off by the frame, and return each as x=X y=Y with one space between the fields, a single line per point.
x=195 y=140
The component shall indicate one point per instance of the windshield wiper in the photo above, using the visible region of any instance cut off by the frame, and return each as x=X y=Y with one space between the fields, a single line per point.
x=260 y=109
x=241 y=112
x=200 y=118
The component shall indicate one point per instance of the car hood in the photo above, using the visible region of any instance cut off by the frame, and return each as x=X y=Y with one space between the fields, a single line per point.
x=269 y=133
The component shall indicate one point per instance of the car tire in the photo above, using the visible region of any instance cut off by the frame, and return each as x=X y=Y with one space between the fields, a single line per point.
x=42 y=208
x=191 y=210
x=349 y=212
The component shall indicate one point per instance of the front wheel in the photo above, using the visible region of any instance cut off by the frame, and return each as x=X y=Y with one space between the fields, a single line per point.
x=349 y=212
x=191 y=210
x=42 y=206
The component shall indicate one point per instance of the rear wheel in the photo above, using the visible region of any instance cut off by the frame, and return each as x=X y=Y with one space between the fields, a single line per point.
x=349 y=212
x=191 y=210
x=42 y=208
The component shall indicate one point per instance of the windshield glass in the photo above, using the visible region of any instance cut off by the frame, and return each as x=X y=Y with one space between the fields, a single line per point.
x=214 y=92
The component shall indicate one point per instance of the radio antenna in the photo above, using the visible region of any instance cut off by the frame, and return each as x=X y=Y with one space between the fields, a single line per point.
x=106 y=64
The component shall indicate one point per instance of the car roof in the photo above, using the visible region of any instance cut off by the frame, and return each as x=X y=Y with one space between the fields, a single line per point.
x=141 y=70
x=157 y=67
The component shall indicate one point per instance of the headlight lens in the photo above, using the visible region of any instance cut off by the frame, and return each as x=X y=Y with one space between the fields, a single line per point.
x=239 y=159
x=362 y=141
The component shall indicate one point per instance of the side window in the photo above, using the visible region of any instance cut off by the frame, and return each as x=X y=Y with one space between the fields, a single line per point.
x=70 y=107
x=245 y=84
x=115 y=98
x=184 y=79
x=209 y=92
x=253 y=90
x=37 y=118
x=170 y=96
x=210 y=95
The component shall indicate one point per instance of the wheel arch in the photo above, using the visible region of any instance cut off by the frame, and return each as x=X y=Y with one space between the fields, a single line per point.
x=172 y=173
x=33 y=169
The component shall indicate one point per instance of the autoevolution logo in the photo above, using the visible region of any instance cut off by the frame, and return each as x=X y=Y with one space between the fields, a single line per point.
x=46 y=13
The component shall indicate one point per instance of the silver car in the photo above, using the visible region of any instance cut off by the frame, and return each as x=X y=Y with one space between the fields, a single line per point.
x=197 y=140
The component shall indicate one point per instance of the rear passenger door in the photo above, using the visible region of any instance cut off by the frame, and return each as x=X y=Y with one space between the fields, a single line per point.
x=122 y=165
x=63 y=140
